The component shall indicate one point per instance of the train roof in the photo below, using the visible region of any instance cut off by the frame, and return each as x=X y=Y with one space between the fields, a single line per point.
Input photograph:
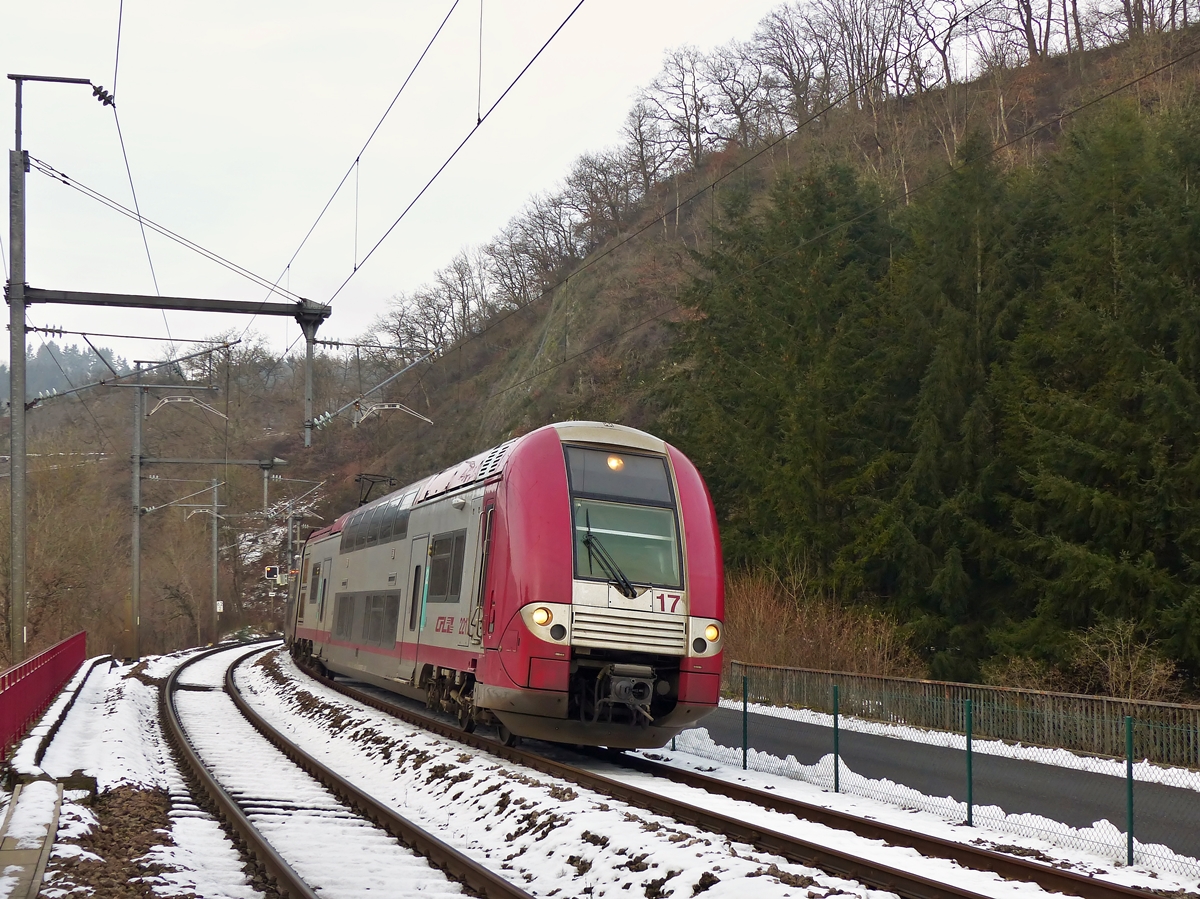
x=489 y=464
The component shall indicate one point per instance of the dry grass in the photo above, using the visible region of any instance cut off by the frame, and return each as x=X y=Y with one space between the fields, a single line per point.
x=777 y=620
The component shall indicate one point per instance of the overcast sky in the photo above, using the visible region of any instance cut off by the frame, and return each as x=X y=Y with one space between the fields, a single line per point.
x=240 y=118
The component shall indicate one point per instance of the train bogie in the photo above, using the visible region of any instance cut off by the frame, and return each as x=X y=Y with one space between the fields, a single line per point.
x=566 y=585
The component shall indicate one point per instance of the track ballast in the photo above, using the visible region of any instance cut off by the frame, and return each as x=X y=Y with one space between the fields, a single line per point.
x=309 y=828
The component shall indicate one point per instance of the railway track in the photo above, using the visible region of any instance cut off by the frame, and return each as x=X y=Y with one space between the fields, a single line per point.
x=313 y=832
x=834 y=861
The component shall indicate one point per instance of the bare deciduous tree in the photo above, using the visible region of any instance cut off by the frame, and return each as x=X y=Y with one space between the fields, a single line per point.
x=600 y=192
x=679 y=101
x=645 y=146
x=787 y=47
x=737 y=81
x=512 y=271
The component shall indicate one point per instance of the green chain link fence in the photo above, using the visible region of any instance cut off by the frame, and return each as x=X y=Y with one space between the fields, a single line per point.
x=1141 y=797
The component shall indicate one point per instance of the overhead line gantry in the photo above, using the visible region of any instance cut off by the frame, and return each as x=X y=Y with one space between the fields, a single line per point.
x=19 y=294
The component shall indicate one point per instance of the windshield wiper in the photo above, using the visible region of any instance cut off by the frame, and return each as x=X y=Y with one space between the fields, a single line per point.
x=597 y=551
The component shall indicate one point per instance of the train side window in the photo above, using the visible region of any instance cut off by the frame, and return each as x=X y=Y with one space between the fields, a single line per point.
x=416 y=599
x=373 y=616
x=386 y=517
x=446 y=566
x=377 y=520
x=321 y=600
x=391 y=619
x=316 y=579
x=456 y=566
x=400 y=525
x=364 y=526
x=348 y=531
x=343 y=614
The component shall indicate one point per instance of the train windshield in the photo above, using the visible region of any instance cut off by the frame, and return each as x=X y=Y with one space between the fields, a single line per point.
x=625 y=503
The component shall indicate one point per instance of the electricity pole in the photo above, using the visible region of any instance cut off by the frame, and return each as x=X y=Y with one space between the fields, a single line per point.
x=18 y=165
x=20 y=295
x=216 y=520
x=135 y=546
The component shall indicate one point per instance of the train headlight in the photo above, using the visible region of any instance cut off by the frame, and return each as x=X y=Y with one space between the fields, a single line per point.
x=712 y=633
x=616 y=463
x=542 y=616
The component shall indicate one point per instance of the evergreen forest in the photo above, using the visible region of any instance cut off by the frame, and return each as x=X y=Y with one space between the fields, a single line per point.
x=979 y=409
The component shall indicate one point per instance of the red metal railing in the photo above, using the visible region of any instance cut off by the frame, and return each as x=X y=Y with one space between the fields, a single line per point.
x=26 y=690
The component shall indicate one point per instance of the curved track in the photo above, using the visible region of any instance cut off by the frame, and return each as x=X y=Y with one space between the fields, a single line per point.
x=906 y=884
x=309 y=828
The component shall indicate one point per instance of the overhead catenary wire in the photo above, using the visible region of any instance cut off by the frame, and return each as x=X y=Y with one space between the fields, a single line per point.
x=367 y=143
x=63 y=332
x=440 y=169
x=117 y=55
x=265 y=376
x=50 y=171
x=109 y=382
x=457 y=150
x=125 y=156
x=100 y=428
x=60 y=467
x=479 y=85
x=180 y=499
x=100 y=356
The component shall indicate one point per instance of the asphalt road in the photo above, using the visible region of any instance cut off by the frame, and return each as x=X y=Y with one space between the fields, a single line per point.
x=1162 y=814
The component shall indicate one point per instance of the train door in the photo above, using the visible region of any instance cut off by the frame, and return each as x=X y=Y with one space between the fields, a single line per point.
x=302 y=590
x=295 y=607
x=418 y=583
x=475 y=616
x=326 y=571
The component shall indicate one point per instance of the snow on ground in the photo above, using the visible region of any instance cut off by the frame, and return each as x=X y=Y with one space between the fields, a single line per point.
x=1143 y=771
x=695 y=750
x=209 y=672
x=1103 y=839
x=112 y=733
x=31 y=818
x=548 y=835
x=328 y=845
x=553 y=836
x=23 y=760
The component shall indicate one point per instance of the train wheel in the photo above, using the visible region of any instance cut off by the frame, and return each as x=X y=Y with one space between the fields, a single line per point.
x=507 y=737
x=466 y=717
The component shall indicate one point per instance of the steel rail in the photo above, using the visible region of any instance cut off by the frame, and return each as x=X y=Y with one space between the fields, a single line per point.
x=1010 y=867
x=906 y=884
x=281 y=875
x=456 y=865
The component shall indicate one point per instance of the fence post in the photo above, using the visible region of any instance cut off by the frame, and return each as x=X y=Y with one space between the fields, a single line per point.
x=1129 y=789
x=836 y=753
x=970 y=773
x=745 y=720
x=672 y=744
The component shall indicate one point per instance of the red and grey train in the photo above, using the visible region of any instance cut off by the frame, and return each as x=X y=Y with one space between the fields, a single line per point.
x=566 y=585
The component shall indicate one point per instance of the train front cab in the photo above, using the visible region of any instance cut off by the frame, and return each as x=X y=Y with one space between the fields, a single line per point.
x=604 y=594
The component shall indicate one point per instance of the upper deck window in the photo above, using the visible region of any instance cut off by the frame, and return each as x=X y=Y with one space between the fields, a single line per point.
x=620 y=476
